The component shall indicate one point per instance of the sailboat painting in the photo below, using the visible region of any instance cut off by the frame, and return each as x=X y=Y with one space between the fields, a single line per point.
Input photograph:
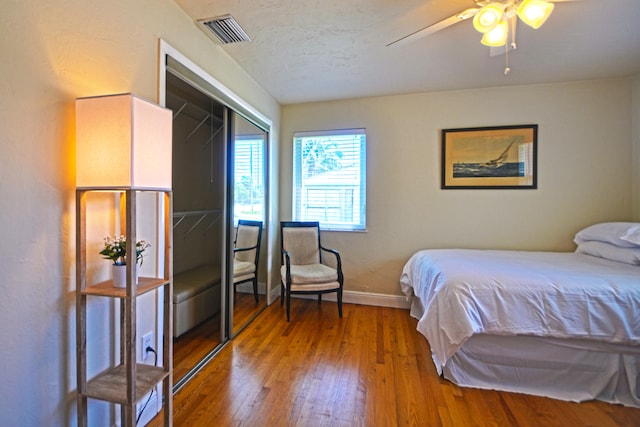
x=489 y=157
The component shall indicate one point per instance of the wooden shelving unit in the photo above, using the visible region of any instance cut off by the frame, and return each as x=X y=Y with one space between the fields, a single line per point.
x=126 y=383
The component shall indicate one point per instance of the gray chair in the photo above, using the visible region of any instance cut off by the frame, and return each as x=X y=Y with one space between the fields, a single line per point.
x=304 y=269
x=246 y=254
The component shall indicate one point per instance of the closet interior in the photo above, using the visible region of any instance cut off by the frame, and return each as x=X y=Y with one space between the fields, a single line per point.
x=218 y=179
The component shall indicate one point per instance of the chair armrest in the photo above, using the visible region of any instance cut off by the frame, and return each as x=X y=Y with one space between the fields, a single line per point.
x=286 y=260
x=338 y=261
x=250 y=248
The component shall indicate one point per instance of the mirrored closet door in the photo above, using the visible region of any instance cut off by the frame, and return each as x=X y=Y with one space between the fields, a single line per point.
x=248 y=172
x=198 y=223
x=219 y=201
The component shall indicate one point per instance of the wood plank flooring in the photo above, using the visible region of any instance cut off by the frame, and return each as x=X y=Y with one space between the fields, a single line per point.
x=198 y=342
x=370 y=368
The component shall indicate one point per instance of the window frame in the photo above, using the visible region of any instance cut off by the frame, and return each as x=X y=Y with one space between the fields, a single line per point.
x=346 y=192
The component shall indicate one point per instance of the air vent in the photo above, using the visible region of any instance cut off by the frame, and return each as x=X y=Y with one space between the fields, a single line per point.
x=226 y=29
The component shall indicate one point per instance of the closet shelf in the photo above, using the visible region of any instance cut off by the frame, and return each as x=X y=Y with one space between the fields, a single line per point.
x=212 y=215
x=198 y=114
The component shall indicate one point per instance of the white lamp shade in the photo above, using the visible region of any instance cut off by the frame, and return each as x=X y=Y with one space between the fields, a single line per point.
x=123 y=141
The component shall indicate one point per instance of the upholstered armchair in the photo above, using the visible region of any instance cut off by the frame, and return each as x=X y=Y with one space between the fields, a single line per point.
x=308 y=267
x=246 y=253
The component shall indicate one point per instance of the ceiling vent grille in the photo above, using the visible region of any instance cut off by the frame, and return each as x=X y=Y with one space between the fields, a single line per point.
x=226 y=29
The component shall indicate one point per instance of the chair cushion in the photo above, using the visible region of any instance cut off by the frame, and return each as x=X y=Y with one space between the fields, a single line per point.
x=242 y=268
x=310 y=274
x=315 y=287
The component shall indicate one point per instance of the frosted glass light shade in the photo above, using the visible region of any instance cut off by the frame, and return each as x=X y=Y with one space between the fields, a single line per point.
x=123 y=141
x=497 y=36
x=488 y=17
x=534 y=12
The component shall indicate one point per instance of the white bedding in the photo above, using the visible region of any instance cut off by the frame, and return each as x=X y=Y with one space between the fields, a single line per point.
x=547 y=294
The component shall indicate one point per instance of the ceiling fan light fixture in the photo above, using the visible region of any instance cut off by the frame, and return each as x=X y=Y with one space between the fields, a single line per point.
x=534 y=12
x=488 y=17
x=497 y=36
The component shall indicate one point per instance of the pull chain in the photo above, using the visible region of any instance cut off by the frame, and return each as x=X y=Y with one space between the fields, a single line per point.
x=512 y=45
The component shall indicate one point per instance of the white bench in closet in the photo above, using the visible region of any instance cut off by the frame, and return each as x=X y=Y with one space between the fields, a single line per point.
x=196 y=297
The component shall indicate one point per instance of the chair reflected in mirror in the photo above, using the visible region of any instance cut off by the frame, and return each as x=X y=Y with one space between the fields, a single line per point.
x=246 y=254
x=307 y=266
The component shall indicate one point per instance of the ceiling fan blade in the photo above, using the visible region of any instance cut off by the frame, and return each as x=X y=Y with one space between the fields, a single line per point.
x=441 y=25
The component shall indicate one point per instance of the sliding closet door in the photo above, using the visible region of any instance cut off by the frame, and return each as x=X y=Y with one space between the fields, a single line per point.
x=248 y=179
x=199 y=235
x=219 y=178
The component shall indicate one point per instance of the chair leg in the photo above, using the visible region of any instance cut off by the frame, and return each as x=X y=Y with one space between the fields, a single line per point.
x=288 y=303
x=340 y=302
x=281 y=294
x=255 y=289
x=319 y=298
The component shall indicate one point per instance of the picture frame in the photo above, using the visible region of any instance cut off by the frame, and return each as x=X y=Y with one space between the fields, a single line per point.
x=495 y=157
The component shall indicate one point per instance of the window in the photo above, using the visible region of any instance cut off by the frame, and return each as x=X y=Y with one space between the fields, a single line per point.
x=329 y=178
x=249 y=178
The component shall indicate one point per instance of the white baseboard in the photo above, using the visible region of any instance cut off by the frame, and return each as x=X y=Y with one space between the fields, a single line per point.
x=370 y=298
x=355 y=297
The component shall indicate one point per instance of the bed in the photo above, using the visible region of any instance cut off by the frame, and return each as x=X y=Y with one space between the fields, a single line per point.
x=560 y=324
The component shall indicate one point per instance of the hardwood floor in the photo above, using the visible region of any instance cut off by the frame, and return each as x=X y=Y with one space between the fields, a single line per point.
x=198 y=342
x=370 y=368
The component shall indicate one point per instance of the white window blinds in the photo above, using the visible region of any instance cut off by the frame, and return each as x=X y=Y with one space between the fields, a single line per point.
x=249 y=178
x=329 y=179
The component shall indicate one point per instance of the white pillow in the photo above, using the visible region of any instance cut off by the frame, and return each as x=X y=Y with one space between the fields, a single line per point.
x=611 y=252
x=625 y=234
x=633 y=235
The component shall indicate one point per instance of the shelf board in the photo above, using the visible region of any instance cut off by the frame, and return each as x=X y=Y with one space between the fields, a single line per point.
x=111 y=385
x=106 y=288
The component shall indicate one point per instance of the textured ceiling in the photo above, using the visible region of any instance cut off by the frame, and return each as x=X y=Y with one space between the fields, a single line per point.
x=313 y=50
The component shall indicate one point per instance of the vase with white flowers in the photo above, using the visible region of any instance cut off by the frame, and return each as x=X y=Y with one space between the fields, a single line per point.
x=115 y=249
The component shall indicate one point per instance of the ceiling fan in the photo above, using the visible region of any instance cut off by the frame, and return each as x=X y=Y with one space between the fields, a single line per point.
x=495 y=19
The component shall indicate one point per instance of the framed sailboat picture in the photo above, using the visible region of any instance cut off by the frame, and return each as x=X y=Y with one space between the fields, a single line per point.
x=499 y=157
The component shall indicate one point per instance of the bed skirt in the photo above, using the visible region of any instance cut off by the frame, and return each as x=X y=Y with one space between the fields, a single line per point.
x=563 y=369
x=567 y=369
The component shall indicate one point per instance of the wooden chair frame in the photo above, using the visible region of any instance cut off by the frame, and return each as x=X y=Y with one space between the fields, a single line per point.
x=254 y=280
x=285 y=282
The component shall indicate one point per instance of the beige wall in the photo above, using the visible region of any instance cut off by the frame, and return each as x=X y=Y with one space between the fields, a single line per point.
x=53 y=52
x=635 y=118
x=584 y=174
